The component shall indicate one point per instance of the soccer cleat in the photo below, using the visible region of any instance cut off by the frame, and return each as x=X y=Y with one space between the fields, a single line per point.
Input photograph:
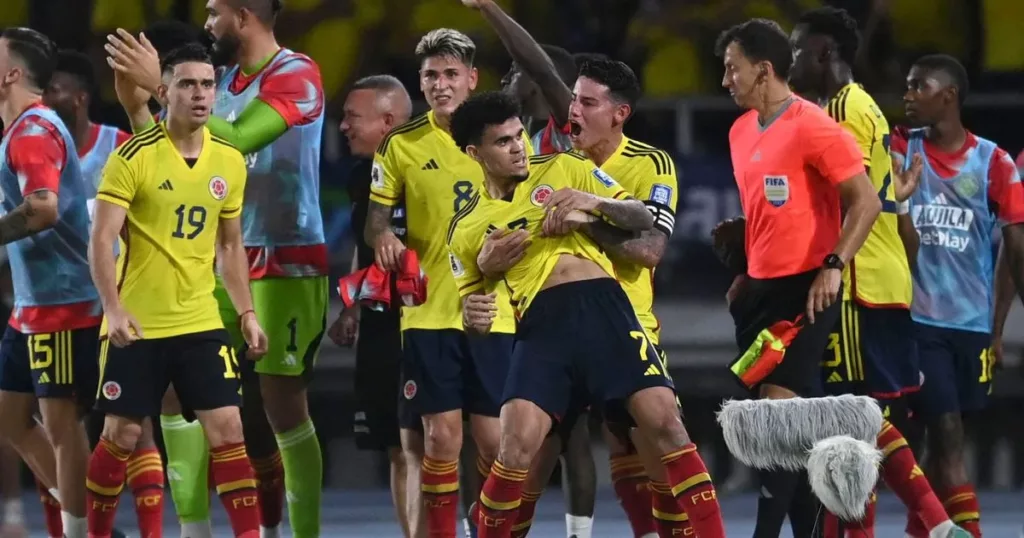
x=957 y=532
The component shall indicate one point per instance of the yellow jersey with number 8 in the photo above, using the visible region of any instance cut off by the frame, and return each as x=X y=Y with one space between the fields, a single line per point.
x=419 y=164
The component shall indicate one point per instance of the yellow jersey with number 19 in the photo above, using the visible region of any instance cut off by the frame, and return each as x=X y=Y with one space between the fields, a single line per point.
x=649 y=174
x=419 y=164
x=879 y=275
x=165 y=268
x=525 y=210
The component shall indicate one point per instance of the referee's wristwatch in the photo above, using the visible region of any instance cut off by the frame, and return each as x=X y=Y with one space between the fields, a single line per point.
x=833 y=261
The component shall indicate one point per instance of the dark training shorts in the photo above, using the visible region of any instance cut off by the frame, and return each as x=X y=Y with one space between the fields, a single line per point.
x=60 y=364
x=957 y=368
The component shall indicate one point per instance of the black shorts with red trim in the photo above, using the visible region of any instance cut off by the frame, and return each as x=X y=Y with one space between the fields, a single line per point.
x=872 y=352
x=778 y=345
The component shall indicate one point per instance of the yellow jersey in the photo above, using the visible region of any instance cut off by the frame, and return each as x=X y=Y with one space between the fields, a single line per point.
x=484 y=214
x=648 y=174
x=879 y=275
x=419 y=163
x=165 y=268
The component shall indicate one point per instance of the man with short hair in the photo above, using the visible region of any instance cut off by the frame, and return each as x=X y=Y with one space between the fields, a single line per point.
x=70 y=93
x=172 y=195
x=795 y=168
x=445 y=372
x=270 y=105
x=968 y=187
x=48 y=351
x=374 y=106
x=562 y=287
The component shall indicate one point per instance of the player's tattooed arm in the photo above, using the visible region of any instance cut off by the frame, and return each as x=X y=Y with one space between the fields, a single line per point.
x=645 y=248
x=387 y=247
x=629 y=214
x=529 y=56
x=37 y=213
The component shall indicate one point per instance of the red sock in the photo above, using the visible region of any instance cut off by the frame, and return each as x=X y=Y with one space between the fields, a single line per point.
x=439 y=482
x=905 y=479
x=524 y=516
x=632 y=487
x=669 y=520
x=499 y=501
x=270 y=477
x=51 y=510
x=146 y=480
x=236 y=486
x=914 y=528
x=483 y=468
x=692 y=487
x=103 y=482
x=865 y=528
x=962 y=506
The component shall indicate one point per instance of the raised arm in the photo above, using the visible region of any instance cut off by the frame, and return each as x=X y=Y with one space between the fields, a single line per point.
x=529 y=56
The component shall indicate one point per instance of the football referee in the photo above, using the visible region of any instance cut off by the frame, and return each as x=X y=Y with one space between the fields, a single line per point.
x=797 y=172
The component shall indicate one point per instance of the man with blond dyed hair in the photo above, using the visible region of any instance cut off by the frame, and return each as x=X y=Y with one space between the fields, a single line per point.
x=444 y=370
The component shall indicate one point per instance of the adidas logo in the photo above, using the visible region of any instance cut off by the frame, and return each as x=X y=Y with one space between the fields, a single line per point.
x=652 y=370
x=44 y=378
x=834 y=378
x=166 y=185
x=940 y=199
x=431 y=165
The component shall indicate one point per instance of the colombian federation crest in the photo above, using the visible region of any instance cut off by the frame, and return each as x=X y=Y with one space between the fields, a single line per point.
x=776 y=190
x=218 y=188
x=540 y=194
x=409 y=390
x=111 y=390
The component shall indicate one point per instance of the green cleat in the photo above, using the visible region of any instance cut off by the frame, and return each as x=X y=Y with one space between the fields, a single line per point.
x=957 y=532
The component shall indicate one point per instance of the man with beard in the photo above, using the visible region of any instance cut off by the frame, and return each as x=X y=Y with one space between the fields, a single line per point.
x=70 y=93
x=270 y=106
x=967 y=188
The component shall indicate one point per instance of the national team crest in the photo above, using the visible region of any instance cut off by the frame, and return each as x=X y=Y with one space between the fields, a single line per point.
x=218 y=188
x=776 y=190
x=540 y=194
x=409 y=390
x=111 y=390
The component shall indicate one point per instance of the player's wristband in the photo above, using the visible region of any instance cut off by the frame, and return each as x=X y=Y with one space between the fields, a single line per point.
x=241 y=317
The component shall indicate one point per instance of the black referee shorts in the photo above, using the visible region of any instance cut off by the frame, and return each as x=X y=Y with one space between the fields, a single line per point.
x=769 y=312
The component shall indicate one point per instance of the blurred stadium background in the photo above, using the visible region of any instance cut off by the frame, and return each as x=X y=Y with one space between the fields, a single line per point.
x=668 y=43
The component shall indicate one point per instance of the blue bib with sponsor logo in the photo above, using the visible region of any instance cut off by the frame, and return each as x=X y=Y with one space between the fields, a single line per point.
x=953 y=275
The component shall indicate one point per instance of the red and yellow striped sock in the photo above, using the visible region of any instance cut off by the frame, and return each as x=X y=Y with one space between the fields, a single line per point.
x=440 y=487
x=670 y=521
x=499 y=501
x=51 y=511
x=632 y=487
x=524 y=516
x=903 y=476
x=483 y=468
x=146 y=480
x=962 y=506
x=104 y=482
x=270 y=488
x=691 y=484
x=236 y=485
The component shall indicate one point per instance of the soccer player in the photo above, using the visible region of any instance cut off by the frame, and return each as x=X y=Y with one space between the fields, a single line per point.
x=444 y=371
x=967 y=188
x=872 y=350
x=172 y=196
x=270 y=106
x=70 y=93
x=374 y=106
x=794 y=168
x=540 y=77
x=561 y=288
x=49 y=348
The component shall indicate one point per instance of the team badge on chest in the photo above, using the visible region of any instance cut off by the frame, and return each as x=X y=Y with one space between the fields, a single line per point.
x=776 y=190
x=540 y=194
x=218 y=188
